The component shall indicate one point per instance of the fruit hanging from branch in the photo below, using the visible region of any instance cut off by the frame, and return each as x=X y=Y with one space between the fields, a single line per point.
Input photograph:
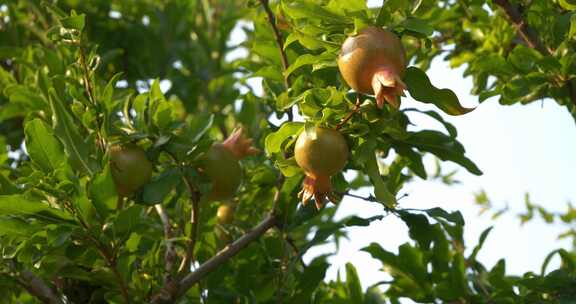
x=321 y=153
x=373 y=63
x=225 y=213
x=130 y=168
x=221 y=165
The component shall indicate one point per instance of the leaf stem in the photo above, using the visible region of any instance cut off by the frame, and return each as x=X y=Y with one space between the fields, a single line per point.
x=349 y=116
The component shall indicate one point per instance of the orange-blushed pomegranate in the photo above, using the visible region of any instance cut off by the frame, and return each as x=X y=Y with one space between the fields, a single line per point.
x=130 y=168
x=221 y=164
x=321 y=154
x=372 y=63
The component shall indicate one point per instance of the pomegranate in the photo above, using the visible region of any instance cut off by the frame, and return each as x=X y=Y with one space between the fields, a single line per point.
x=130 y=168
x=321 y=154
x=225 y=214
x=221 y=164
x=372 y=63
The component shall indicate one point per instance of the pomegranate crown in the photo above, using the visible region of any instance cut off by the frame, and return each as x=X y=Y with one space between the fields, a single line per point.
x=239 y=144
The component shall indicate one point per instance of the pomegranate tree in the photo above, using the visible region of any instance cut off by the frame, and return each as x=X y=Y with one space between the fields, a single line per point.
x=373 y=62
x=321 y=153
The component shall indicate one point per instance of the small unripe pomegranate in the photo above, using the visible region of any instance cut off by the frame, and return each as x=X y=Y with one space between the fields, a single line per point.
x=221 y=164
x=130 y=168
x=373 y=63
x=321 y=154
x=225 y=214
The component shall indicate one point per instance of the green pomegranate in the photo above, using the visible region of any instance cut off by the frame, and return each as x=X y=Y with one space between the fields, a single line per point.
x=224 y=171
x=321 y=154
x=130 y=168
x=222 y=164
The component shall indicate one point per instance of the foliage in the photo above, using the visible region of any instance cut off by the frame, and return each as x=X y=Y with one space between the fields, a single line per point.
x=79 y=76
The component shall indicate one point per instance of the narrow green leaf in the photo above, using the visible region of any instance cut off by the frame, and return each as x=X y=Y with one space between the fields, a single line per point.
x=380 y=190
x=21 y=204
x=200 y=126
x=422 y=90
x=355 y=294
x=481 y=241
x=103 y=192
x=67 y=130
x=43 y=147
x=443 y=146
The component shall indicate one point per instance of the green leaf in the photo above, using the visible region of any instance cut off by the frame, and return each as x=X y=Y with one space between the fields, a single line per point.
x=74 y=22
x=305 y=9
x=273 y=142
x=481 y=241
x=569 y=5
x=21 y=204
x=200 y=125
x=128 y=219
x=160 y=186
x=43 y=147
x=572 y=32
x=288 y=167
x=422 y=90
x=308 y=59
x=454 y=217
x=67 y=130
x=418 y=26
x=380 y=190
x=15 y=227
x=355 y=294
x=449 y=127
x=443 y=146
x=103 y=192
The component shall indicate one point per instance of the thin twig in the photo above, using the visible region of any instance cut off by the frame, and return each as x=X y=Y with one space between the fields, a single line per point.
x=38 y=288
x=530 y=36
x=109 y=258
x=170 y=293
x=170 y=254
x=279 y=41
x=526 y=32
x=349 y=116
x=90 y=93
x=295 y=249
x=193 y=234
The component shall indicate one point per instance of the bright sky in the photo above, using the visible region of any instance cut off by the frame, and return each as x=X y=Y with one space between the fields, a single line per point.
x=520 y=149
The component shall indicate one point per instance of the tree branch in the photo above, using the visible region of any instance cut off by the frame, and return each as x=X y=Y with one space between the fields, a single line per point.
x=170 y=255
x=530 y=36
x=171 y=292
x=526 y=32
x=36 y=287
x=191 y=243
x=279 y=41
